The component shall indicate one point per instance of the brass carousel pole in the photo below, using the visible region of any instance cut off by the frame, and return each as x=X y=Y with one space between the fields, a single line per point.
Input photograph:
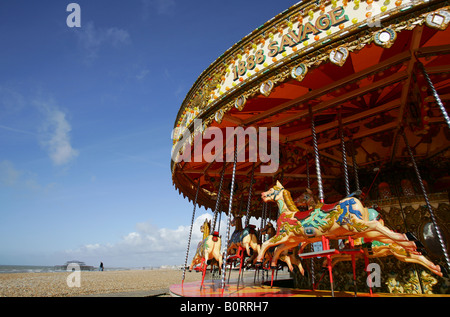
x=219 y=195
x=344 y=155
x=311 y=246
x=355 y=165
x=247 y=219
x=230 y=205
x=435 y=94
x=316 y=156
x=190 y=231
x=430 y=209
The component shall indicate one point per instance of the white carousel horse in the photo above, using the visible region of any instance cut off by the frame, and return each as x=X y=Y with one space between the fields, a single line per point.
x=209 y=248
x=348 y=217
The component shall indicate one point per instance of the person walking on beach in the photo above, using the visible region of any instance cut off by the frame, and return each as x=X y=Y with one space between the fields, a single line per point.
x=101 y=266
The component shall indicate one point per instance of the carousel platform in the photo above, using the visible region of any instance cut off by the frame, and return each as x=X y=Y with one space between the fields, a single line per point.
x=248 y=287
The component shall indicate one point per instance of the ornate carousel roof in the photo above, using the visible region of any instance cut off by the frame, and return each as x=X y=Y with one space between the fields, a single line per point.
x=355 y=68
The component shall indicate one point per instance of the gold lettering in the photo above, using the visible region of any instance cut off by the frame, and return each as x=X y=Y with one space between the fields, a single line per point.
x=309 y=28
x=323 y=22
x=294 y=35
x=273 y=49
x=285 y=41
x=338 y=16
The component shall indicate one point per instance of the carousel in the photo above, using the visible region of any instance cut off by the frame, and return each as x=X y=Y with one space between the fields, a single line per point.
x=328 y=127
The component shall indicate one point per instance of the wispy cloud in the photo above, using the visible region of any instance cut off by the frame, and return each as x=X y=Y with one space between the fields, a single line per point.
x=160 y=7
x=147 y=246
x=10 y=176
x=92 y=39
x=55 y=133
x=16 y=130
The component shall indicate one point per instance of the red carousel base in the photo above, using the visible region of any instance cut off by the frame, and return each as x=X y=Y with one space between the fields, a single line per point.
x=248 y=288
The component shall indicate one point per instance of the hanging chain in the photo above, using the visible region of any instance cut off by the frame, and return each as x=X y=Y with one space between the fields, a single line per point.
x=430 y=209
x=190 y=231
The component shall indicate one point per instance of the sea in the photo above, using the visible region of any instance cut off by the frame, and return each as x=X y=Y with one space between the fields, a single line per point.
x=51 y=269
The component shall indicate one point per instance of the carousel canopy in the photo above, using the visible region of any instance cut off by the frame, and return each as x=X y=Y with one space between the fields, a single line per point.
x=355 y=71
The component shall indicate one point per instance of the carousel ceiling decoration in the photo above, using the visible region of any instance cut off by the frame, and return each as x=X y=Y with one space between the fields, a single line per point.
x=360 y=56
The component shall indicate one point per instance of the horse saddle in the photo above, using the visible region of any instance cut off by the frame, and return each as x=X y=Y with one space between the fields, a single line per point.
x=326 y=208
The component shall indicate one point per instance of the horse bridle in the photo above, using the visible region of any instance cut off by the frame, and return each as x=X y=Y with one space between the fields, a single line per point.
x=275 y=193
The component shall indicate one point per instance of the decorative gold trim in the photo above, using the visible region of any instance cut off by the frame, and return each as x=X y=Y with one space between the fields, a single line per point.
x=438 y=19
x=312 y=59
x=385 y=38
x=299 y=72
x=266 y=88
x=339 y=55
x=240 y=102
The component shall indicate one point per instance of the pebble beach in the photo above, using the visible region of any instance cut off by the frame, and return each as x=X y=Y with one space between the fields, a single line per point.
x=94 y=283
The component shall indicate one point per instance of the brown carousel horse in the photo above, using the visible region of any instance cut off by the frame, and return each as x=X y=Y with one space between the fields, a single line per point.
x=244 y=238
x=208 y=249
x=348 y=217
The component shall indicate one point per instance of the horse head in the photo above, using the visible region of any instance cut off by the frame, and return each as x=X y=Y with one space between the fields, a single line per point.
x=273 y=194
x=307 y=200
x=206 y=228
x=269 y=229
x=236 y=222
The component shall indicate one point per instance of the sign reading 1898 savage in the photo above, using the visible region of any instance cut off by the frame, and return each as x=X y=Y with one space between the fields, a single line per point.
x=291 y=39
x=301 y=33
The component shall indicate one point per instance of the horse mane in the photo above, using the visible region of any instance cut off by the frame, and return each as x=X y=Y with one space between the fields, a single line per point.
x=289 y=201
x=206 y=228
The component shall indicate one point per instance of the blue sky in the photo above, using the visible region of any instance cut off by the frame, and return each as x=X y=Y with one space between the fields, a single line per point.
x=86 y=116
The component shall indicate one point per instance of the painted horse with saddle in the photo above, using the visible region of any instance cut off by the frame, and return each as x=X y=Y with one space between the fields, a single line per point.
x=345 y=218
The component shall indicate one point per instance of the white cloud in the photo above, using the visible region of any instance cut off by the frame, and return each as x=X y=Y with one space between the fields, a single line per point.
x=161 y=7
x=10 y=176
x=91 y=39
x=55 y=133
x=147 y=246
